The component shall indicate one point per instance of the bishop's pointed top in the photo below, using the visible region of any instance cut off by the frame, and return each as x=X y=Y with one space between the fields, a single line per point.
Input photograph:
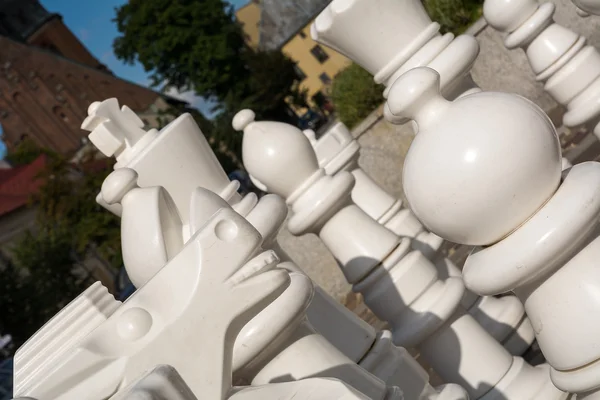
x=277 y=155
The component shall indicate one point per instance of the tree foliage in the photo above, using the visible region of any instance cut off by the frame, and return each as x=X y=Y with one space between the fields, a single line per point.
x=355 y=95
x=187 y=44
x=38 y=279
x=25 y=152
x=67 y=200
x=37 y=282
x=454 y=15
x=198 y=45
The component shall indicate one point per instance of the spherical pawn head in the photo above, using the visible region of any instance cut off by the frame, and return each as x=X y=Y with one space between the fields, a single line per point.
x=277 y=155
x=480 y=166
x=508 y=15
x=118 y=184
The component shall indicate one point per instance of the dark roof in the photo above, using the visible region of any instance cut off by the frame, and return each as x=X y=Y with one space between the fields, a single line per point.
x=17 y=185
x=282 y=19
x=19 y=19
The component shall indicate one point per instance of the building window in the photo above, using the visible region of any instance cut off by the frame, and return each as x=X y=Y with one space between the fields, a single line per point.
x=325 y=78
x=319 y=54
x=302 y=34
x=299 y=73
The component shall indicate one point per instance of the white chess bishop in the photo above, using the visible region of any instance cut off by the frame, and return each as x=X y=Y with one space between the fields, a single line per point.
x=569 y=68
x=278 y=343
x=420 y=301
x=536 y=227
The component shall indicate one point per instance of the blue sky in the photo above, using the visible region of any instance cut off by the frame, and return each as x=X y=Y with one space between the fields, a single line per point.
x=91 y=22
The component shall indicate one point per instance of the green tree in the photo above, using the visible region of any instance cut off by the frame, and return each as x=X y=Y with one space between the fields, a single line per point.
x=37 y=282
x=454 y=15
x=25 y=152
x=67 y=200
x=355 y=95
x=198 y=45
x=187 y=44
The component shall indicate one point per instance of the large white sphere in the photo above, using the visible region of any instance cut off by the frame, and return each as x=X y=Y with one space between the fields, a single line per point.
x=481 y=165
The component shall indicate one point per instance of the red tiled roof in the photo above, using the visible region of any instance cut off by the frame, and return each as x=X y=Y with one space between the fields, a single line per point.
x=17 y=185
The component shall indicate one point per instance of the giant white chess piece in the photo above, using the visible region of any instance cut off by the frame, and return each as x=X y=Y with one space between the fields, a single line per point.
x=504 y=318
x=537 y=229
x=399 y=285
x=164 y=383
x=278 y=344
x=559 y=57
x=180 y=150
x=361 y=30
x=186 y=316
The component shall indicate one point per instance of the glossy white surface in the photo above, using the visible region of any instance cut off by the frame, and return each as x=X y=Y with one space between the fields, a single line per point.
x=455 y=173
x=181 y=150
x=101 y=357
x=558 y=56
x=400 y=286
x=352 y=26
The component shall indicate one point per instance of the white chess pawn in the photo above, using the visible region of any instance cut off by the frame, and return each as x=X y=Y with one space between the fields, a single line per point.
x=149 y=222
x=400 y=286
x=537 y=226
x=558 y=56
x=338 y=151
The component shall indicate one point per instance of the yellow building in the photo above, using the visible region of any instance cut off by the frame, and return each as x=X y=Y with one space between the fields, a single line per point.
x=285 y=25
x=249 y=17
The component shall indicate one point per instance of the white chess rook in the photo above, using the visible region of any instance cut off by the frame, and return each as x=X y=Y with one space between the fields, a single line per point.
x=559 y=57
x=538 y=229
x=180 y=150
x=504 y=318
x=400 y=286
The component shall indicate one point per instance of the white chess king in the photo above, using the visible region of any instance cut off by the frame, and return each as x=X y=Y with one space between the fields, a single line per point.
x=536 y=227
